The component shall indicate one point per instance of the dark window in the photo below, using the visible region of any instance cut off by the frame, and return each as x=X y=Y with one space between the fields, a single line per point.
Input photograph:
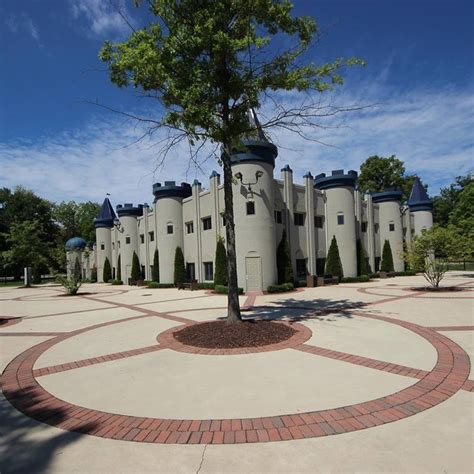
x=190 y=227
x=278 y=217
x=102 y=246
x=191 y=271
x=118 y=244
x=376 y=228
x=127 y=240
x=318 y=222
x=169 y=228
x=340 y=219
x=206 y=223
x=301 y=267
x=299 y=218
x=152 y=236
x=208 y=271
x=113 y=245
x=320 y=264
x=113 y=273
x=142 y=238
x=223 y=220
x=391 y=227
x=143 y=271
x=363 y=227
x=377 y=263
x=250 y=208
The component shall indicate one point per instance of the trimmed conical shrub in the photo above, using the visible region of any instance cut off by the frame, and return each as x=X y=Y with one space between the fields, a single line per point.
x=107 y=273
x=333 y=260
x=155 y=271
x=283 y=256
x=387 y=258
x=179 y=268
x=220 y=275
x=362 y=264
x=119 y=268
x=136 y=272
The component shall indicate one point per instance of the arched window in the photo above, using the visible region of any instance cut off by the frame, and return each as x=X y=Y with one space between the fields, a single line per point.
x=340 y=218
x=169 y=228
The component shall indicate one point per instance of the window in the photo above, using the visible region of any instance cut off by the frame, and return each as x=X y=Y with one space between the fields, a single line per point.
x=301 y=267
x=318 y=222
x=278 y=217
x=151 y=235
x=340 y=219
x=127 y=240
x=190 y=227
x=118 y=244
x=169 y=228
x=191 y=271
x=299 y=218
x=250 y=208
x=142 y=238
x=363 y=227
x=208 y=271
x=113 y=245
x=102 y=246
x=206 y=223
x=223 y=220
x=391 y=227
x=376 y=228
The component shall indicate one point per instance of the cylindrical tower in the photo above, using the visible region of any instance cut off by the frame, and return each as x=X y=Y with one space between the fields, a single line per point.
x=340 y=215
x=104 y=222
x=128 y=214
x=74 y=248
x=421 y=207
x=169 y=228
x=252 y=165
x=390 y=223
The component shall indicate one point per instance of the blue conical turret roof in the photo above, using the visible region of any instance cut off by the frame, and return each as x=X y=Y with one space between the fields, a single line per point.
x=419 y=199
x=106 y=215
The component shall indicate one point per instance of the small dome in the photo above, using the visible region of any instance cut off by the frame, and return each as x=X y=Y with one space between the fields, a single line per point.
x=76 y=243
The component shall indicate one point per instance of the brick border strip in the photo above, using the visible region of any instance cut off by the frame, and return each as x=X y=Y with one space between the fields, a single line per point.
x=447 y=377
x=452 y=328
x=10 y=321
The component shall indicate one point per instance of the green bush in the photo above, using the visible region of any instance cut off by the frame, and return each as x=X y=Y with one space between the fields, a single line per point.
x=136 y=273
x=205 y=286
x=283 y=258
x=119 y=268
x=387 y=258
x=224 y=290
x=280 y=288
x=406 y=273
x=179 y=268
x=155 y=284
x=155 y=271
x=94 y=275
x=374 y=275
x=220 y=275
x=107 y=274
x=333 y=261
x=301 y=284
x=71 y=285
x=361 y=278
x=116 y=282
x=362 y=263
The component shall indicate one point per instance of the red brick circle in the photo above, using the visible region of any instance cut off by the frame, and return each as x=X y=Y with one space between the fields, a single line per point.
x=168 y=341
x=444 y=380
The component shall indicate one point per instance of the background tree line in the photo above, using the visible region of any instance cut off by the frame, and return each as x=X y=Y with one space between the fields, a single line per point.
x=33 y=231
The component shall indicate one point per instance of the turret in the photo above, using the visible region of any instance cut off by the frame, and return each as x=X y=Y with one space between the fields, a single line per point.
x=390 y=223
x=104 y=222
x=340 y=215
x=169 y=214
x=74 y=248
x=421 y=206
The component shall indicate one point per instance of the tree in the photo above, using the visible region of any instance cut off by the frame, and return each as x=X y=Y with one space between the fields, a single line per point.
x=283 y=258
x=208 y=64
x=76 y=219
x=387 y=258
x=220 y=274
x=107 y=272
x=155 y=271
x=362 y=263
x=179 y=268
x=136 y=272
x=445 y=204
x=333 y=260
x=119 y=268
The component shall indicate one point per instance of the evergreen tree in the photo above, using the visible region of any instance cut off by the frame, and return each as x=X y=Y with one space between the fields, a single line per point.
x=284 y=267
x=155 y=272
x=119 y=268
x=362 y=264
x=220 y=275
x=94 y=275
x=333 y=261
x=77 y=270
x=387 y=258
x=179 y=268
x=136 y=272
x=107 y=274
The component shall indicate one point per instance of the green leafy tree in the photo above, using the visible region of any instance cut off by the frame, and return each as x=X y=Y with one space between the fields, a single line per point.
x=333 y=260
x=209 y=63
x=283 y=257
x=387 y=258
x=362 y=260
x=446 y=203
x=76 y=219
x=220 y=274
x=136 y=272
x=179 y=268
x=155 y=272
x=107 y=272
x=119 y=268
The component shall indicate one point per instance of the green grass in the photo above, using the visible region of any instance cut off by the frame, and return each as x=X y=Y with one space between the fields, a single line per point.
x=10 y=283
x=460 y=266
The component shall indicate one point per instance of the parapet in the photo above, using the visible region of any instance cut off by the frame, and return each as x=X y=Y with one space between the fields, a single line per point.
x=335 y=180
x=390 y=194
x=129 y=210
x=171 y=189
x=255 y=150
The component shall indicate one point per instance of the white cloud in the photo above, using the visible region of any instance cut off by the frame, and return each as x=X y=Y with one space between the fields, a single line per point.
x=23 y=23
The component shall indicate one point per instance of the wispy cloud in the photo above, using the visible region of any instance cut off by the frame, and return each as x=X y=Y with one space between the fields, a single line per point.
x=23 y=23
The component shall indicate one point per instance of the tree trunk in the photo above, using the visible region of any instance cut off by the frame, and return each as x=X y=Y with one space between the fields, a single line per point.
x=233 y=306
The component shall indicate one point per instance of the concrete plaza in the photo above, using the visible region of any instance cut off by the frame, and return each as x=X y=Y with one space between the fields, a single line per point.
x=379 y=379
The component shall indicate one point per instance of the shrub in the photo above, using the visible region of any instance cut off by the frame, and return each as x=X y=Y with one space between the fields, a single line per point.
x=94 y=275
x=280 y=288
x=116 y=282
x=136 y=273
x=220 y=275
x=301 y=284
x=362 y=264
x=119 y=268
x=224 y=290
x=205 y=286
x=155 y=284
x=283 y=258
x=179 y=268
x=406 y=273
x=361 y=278
x=71 y=285
x=333 y=261
x=387 y=258
x=107 y=274
x=155 y=271
x=374 y=275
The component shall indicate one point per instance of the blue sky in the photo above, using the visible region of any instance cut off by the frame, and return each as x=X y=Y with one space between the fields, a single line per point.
x=419 y=74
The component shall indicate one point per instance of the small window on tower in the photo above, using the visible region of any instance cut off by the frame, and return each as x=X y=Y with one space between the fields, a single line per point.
x=250 y=208
x=169 y=228
x=376 y=228
x=190 y=227
x=142 y=238
x=127 y=240
x=318 y=222
x=391 y=226
x=299 y=218
x=278 y=217
x=206 y=223
x=102 y=246
x=363 y=227
x=151 y=235
x=340 y=219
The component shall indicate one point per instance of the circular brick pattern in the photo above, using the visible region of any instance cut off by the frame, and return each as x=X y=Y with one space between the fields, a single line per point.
x=167 y=340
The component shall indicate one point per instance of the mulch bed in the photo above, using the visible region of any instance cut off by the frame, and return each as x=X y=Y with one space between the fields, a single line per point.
x=440 y=289
x=223 y=335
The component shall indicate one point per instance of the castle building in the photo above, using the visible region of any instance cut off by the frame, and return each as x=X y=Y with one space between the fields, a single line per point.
x=191 y=217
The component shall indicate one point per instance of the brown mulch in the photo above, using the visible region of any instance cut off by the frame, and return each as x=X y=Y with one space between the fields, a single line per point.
x=440 y=289
x=223 y=335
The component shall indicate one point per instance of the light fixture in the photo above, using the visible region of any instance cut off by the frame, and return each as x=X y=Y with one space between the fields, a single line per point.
x=258 y=175
x=118 y=224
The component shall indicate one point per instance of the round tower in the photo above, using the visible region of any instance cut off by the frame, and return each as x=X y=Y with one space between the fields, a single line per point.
x=252 y=166
x=170 y=232
x=421 y=206
x=104 y=222
x=74 y=248
x=390 y=224
x=340 y=215
x=128 y=214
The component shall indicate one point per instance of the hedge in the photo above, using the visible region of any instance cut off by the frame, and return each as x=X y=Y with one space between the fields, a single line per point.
x=205 y=286
x=155 y=284
x=361 y=278
x=224 y=290
x=116 y=282
x=280 y=288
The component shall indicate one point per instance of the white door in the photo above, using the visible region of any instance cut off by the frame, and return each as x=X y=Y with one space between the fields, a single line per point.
x=253 y=273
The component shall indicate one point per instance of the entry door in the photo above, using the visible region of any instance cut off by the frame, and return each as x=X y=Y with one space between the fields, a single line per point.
x=253 y=271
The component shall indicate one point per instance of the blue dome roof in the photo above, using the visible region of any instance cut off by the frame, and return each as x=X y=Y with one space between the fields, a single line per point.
x=76 y=243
